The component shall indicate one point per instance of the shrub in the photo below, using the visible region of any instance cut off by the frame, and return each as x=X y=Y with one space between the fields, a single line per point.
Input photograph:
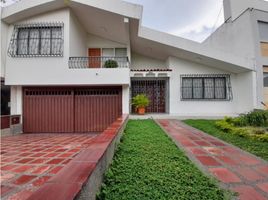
x=255 y=118
x=140 y=100
x=242 y=132
x=225 y=125
x=238 y=121
x=263 y=137
x=228 y=125
x=258 y=131
x=110 y=64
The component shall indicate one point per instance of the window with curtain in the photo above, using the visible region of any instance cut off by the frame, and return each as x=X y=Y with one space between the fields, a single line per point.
x=37 y=40
x=205 y=87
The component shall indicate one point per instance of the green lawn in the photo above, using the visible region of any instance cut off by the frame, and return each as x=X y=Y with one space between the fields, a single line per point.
x=253 y=146
x=148 y=165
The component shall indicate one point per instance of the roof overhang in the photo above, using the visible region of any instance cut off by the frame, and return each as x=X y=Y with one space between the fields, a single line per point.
x=161 y=45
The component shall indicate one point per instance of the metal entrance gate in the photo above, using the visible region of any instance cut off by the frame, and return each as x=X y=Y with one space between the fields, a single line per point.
x=155 y=90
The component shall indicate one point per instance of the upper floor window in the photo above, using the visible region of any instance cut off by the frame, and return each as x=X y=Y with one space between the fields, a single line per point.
x=263 y=33
x=37 y=40
x=205 y=87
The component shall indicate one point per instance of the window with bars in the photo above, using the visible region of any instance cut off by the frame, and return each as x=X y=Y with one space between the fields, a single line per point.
x=206 y=87
x=37 y=40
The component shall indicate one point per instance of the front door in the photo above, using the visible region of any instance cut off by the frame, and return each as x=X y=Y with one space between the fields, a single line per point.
x=155 y=90
x=94 y=58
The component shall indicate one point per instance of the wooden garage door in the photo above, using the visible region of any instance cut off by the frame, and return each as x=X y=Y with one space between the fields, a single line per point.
x=95 y=109
x=57 y=110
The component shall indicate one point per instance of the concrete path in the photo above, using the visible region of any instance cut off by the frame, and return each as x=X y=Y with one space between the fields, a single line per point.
x=236 y=169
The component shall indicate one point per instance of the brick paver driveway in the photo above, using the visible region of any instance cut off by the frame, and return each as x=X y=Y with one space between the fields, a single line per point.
x=29 y=160
x=237 y=170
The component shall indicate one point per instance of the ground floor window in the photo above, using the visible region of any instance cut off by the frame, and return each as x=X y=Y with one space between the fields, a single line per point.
x=205 y=87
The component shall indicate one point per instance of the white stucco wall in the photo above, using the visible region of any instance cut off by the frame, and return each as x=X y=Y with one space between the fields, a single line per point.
x=4 y=46
x=234 y=8
x=16 y=100
x=78 y=38
x=142 y=62
x=55 y=70
x=245 y=95
x=94 y=41
x=234 y=37
x=239 y=103
x=125 y=99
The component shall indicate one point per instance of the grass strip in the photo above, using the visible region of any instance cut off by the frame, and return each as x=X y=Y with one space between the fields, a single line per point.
x=148 y=165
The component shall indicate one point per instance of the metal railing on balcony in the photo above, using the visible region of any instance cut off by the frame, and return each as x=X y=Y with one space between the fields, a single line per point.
x=98 y=62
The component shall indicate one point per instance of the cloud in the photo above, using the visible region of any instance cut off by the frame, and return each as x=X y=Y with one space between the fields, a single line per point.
x=4 y=3
x=191 y=19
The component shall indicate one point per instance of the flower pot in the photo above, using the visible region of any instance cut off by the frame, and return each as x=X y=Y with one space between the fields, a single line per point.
x=141 y=110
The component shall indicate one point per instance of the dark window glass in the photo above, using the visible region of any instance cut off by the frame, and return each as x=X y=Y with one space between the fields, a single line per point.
x=209 y=88
x=204 y=88
x=220 y=88
x=265 y=79
x=34 y=41
x=39 y=41
x=23 y=41
x=187 y=86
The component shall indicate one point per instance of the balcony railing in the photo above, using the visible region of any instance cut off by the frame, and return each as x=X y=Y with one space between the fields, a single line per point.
x=98 y=62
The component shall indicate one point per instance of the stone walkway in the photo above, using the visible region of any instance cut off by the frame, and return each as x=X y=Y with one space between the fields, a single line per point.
x=236 y=169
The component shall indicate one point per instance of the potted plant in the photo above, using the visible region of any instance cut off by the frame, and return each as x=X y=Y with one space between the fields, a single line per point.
x=140 y=102
x=110 y=64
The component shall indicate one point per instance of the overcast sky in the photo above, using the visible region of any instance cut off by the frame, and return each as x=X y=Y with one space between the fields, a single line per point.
x=191 y=19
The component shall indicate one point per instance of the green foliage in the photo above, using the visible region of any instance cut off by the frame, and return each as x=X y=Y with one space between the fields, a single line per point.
x=149 y=166
x=140 y=100
x=255 y=118
x=254 y=143
x=225 y=125
x=110 y=64
x=258 y=131
x=262 y=137
x=229 y=125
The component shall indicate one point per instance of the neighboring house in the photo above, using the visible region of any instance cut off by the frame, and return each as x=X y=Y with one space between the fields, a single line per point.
x=55 y=53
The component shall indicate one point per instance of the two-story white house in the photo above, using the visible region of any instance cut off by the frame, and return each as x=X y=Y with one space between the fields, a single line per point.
x=74 y=65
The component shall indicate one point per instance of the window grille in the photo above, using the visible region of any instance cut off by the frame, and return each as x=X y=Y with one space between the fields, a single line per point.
x=206 y=87
x=37 y=40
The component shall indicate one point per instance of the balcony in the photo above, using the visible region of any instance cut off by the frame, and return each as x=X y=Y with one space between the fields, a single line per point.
x=76 y=72
x=98 y=62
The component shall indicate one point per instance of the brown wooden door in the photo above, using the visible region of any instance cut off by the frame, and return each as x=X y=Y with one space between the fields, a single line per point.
x=155 y=90
x=94 y=58
x=57 y=110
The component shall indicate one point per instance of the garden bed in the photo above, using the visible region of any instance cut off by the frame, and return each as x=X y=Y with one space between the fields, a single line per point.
x=251 y=144
x=148 y=165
